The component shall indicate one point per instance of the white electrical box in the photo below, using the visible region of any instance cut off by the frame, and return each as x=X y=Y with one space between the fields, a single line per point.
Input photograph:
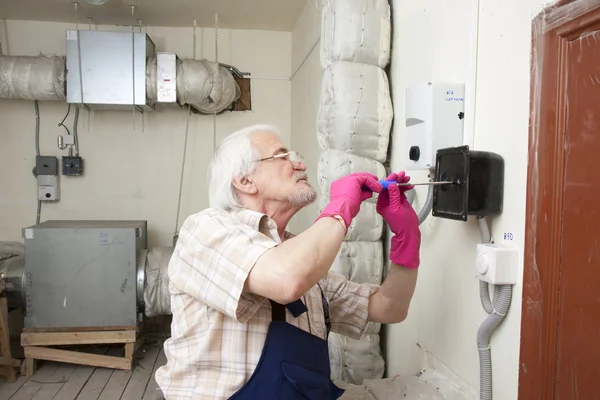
x=434 y=120
x=48 y=189
x=497 y=264
x=166 y=77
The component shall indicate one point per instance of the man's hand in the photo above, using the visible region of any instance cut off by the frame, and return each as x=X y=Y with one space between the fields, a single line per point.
x=403 y=222
x=347 y=194
x=391 y=303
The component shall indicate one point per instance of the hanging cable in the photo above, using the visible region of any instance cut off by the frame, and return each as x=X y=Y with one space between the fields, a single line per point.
x=133 y=63
x=217 y=61
x=185 y=141
x=37 y=153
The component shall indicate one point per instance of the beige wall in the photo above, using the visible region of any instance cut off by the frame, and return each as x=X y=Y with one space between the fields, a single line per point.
x=133 y=174
x=306 y=92
x=432 y=42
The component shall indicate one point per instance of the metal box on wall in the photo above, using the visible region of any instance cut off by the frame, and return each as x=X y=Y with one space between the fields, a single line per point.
x=114 y=69
x=84 y=274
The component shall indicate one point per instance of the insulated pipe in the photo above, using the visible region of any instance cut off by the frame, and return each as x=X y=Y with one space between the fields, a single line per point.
x=497 y=311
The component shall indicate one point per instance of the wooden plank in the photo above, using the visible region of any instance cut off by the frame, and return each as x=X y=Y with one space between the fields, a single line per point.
x=100 y=377
x=83 y=329
x=55 y=382
x=71 y=389
x=34 y=384
x=63 y=338
x=7 y=389
x=74 y=357
x=10 y=362
x=9 y=372
x=153 y=392
x=141 y=375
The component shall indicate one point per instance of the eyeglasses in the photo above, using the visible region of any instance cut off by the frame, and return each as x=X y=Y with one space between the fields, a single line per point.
x=293 y=157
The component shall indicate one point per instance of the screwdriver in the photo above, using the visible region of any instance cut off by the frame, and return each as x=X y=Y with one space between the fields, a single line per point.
x=386 y=183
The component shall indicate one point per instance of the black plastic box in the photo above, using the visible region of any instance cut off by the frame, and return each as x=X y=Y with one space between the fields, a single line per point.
x=479 y=183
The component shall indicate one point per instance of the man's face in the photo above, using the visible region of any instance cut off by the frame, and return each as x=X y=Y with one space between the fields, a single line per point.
x=277 y=177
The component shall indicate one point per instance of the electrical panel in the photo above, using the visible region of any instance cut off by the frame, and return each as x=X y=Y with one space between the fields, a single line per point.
x=434 y=120
x=72 y=166
x=46 y=168
x=478 y=187
x=114 y=69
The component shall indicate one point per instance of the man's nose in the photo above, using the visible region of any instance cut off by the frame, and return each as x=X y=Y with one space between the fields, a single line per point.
x=300 y=166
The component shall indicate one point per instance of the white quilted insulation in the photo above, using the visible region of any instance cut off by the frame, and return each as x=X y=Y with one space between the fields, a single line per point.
x=353 y=128
x=366 y=226
x=355 y=113
x=355 y=360
x=334 y=164
x=357 y=31
x=360 y=262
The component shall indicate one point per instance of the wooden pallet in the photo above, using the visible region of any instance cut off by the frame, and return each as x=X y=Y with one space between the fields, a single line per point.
x=7 y=363
x=38 y=345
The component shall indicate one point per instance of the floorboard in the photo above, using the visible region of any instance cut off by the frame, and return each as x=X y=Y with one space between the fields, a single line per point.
x=62 y=381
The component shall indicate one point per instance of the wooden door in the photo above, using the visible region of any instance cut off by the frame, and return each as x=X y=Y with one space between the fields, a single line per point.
x=560 y=333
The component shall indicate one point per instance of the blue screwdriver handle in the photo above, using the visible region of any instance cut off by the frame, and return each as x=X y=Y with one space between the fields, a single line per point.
x=386 y=183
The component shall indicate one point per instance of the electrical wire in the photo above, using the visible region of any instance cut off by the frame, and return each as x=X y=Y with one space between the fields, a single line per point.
x=185 y=142
x=37 y=153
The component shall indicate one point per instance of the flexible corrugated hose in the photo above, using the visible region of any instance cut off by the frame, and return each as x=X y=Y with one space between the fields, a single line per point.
x=497 y=310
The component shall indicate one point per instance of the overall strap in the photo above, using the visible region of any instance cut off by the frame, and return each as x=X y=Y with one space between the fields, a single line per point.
x=277 y=311
x=325 y=311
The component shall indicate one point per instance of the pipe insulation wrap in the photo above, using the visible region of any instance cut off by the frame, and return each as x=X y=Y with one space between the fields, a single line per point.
x=334 y=164
x=353 y=126
x=207 y=86
x=32 y=78
x=366 y=226
x=157 y=298
x=203 y=84
x=356 y=30
x=355 y=112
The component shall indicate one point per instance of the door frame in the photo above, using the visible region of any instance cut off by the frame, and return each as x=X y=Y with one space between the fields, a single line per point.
x=552 y=29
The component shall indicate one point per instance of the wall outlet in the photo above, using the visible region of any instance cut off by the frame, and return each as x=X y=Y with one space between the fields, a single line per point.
x=72 y=166
x=497 y=264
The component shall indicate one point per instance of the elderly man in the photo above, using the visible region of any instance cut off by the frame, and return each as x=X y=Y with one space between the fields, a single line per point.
x=252 y=304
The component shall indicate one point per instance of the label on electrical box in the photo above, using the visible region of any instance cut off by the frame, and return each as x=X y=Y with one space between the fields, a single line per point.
x=28 y=233
x=71 y=35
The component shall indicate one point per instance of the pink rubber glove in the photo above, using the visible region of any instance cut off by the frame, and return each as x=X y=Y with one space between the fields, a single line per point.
x=403 y=222
x=346 y=195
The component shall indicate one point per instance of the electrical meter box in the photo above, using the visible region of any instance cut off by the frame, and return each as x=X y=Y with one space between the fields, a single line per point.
x=84 y=274
x=114 y=69
x=434 y=120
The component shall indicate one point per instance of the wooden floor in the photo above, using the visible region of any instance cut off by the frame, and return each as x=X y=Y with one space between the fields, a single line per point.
x=60 y=381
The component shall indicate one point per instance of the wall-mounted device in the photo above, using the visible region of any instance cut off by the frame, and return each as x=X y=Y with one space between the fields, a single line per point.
x=46 y=168
x=434 y=120
x=479 y=183
x=166 y=77
x=114 y=69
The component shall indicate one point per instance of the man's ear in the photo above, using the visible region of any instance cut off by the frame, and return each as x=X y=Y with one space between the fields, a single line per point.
x=245 y=185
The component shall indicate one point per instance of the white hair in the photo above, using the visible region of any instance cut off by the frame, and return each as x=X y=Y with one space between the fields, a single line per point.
x=234 y=157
